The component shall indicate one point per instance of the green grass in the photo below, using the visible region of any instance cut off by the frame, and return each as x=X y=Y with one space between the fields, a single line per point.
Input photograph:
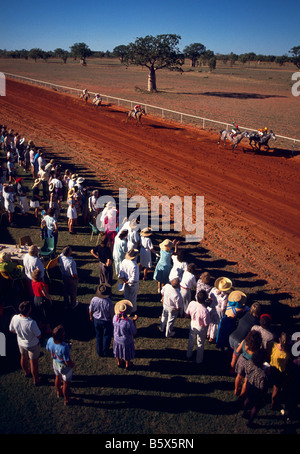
x=164 y=394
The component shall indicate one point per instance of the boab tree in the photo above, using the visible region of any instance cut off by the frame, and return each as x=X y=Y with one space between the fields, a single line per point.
x=155 y=52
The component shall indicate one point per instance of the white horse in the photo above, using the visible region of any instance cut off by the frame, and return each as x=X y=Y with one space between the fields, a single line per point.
x=225 y=134
x=97 y=101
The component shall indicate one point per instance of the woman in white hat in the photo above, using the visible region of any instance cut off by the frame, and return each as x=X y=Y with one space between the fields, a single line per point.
x=124 y=332
x=146 y=251
x=119 y=250
x=219 y=296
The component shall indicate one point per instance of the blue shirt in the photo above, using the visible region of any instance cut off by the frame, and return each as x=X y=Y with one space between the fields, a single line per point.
x=59 y=352
x=67 y=266
x=102 y=309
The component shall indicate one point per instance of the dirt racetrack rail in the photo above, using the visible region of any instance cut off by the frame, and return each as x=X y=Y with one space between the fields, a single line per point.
x=251 y=200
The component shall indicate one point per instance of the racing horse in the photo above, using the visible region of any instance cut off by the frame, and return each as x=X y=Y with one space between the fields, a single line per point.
x=260 y=141
x=97 y=102
x=136 y=115
x=85 y=96
x=225 y=134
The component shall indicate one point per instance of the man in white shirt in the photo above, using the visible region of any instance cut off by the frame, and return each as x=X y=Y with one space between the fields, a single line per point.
x=172 y=307
x=31 y=261
x=129 y=273
x=69 y=274
x=28 y=335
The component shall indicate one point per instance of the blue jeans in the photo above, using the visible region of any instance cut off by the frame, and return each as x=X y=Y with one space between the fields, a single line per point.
x=104 y=332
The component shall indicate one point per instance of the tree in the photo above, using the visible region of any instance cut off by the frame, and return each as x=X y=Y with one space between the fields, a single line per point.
x=81 y=51
x=154 y=53
x=61 y=53
x=120 y=52
x=212 y=63
x=295 y=51
x=193 y=52
x=36 y=53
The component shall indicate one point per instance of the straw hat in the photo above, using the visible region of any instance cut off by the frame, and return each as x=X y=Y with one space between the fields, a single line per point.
x=123 y=306
x=223 y=284
x=74 y=176
x=36 y=182
x=51 y=187
x=80 y=180
x=103 y=291
x=71 y=192
x=146 y=232
x=5 y=257
x=133 y=224
x=237 y=298
x=166 y=245
x=131 y=254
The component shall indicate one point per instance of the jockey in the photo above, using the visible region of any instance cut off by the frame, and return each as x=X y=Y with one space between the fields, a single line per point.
x=97 y=97
x=235 y=130
x=137 y=109
x=263 y=131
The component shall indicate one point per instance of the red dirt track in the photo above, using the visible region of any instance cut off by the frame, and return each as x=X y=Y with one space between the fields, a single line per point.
x=251 y=200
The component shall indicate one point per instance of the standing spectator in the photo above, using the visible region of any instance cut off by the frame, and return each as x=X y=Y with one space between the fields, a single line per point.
x=68 y=270
x=92 y=206
x=11 y=172
x=200 y=320
x=31 y=261
x=124 y=332
x=36 y=198
x=28 y=338
x=71 y=211
x=53 y=202
x=42 y=300
x=234 y=310
x=263 y=328
x=9 y=199
x=256 y=378
x=187 y=284
x=145 y=251
x=44 y=177
x=51 y=224
x=22 y=196
x=119 y=250
x=246 y=322
x=204 y=283
x=279 y=361
x=41 y=160
x=172 y=307
x=129 y=273
x=179 y=265
x=62 y=363
x=164 y=265
x=101 y=311
x=103 y=253
x=219 y=299
x=32 y=153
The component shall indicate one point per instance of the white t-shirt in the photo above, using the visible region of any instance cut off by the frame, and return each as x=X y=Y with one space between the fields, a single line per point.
x=188 y=280
x=26 y=329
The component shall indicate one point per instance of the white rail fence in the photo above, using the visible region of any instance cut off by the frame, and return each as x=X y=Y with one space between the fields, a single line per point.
x=182 y=118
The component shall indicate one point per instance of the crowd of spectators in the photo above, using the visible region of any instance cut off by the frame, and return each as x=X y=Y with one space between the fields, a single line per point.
x=218 y=313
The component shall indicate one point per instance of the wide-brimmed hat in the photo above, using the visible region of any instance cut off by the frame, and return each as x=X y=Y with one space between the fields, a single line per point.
x=51 y=187
x=74 y=176
x=37 y=182
x=5 y=257
x=131 y=254
x=237 y=298
x=146 y=231
x=133 y=224
x=103 y=290
x=166 y=245
x=223 y=284
x=123 y=306
x=22 y=140
x=71 y=192
x=80 y=180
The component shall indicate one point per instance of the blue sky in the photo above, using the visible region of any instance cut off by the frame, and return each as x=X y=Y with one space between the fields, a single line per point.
x=266 y=27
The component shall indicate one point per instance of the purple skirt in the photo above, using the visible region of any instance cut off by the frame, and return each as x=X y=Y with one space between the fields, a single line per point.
x=122 y=351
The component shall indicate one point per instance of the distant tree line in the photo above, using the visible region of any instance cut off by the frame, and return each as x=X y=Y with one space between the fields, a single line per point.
x=155 y=53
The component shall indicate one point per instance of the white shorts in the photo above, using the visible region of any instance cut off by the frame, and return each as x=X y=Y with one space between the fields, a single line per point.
x=66 y=376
